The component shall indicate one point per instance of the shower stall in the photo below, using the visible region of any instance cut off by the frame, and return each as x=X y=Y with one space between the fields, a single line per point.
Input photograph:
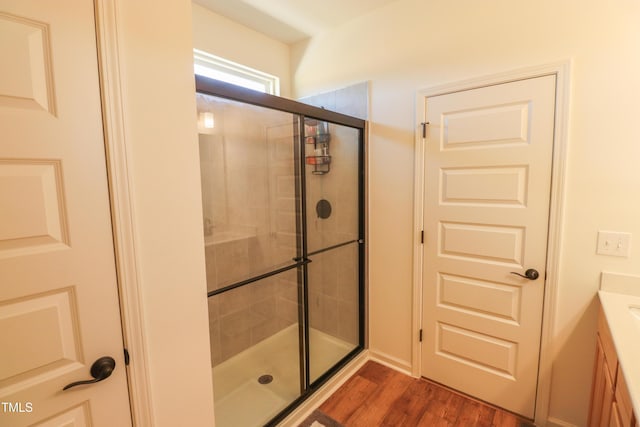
x=283 y=210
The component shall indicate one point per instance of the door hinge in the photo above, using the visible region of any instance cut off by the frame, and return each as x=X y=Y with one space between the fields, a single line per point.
x=424 y=129
x=420 y=335
x=126 y=357
x=422 y=237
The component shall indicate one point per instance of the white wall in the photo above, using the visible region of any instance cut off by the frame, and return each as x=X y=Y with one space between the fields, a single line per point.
x=158 y=101
x=413 y=44
x=222 y=37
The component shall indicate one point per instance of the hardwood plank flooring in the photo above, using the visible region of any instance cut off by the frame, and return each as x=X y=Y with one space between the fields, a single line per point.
x=380 y=396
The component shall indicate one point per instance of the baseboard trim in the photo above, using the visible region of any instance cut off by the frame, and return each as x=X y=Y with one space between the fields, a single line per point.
x=556 y=422
x=325 y=391
x=391 y=362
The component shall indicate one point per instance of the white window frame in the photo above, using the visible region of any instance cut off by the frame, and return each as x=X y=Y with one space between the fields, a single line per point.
x=208 y=65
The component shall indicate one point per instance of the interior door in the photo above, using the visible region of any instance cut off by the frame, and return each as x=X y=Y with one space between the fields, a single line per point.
x=487 y=187
x=59 y=309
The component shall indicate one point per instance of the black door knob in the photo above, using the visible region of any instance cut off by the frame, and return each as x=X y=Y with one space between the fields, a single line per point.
x=531 y=274
x=100 y=370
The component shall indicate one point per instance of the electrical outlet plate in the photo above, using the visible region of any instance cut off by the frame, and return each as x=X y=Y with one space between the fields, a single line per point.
x=614 y=243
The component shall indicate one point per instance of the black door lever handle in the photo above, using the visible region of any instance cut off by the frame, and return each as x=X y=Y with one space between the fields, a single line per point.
x=100 y=370
x=531 y=274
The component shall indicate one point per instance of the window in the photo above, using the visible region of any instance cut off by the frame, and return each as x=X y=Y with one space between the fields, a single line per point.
x=205 y=64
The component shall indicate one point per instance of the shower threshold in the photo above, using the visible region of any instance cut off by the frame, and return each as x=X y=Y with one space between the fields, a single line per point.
x=241 y=400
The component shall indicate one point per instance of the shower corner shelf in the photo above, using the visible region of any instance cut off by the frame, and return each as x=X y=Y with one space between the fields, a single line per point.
x=317 y=134
x=320 y=138
x=321 y=164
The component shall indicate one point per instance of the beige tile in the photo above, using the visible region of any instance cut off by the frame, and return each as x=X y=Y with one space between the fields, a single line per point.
x=347 y=269
x=265 y=307
x=287 y=310
x=235 y=300
x=213 y=305
x=286 y=203
x=230 y=345
x=210 y=266
x=285 y=187
x=314 y=275
x=281 y=130
x=348 y=289
x=287 y=240
x=214 y=341
x=330 y=315
x=348 y=322
x=265 y=330
x=316 y=308
x=239 y=322
x=283 y=323
x=288 y=290
x=284 y=150
x=286 y=222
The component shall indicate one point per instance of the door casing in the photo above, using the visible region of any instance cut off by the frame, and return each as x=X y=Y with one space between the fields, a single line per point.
x=149 y=404
x=562 y=72
x=130 y=289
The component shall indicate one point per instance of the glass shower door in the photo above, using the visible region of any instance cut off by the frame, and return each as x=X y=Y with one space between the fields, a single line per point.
x=333 y=225
x=250 y=207
x=282 y=206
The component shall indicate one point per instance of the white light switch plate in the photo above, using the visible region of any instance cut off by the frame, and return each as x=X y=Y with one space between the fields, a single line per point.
x=614 y=243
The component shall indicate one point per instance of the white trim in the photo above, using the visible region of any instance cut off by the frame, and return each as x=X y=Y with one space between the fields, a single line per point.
x=556 y=422
x=241 y=72
x=418 y=247
x=556 y=219
x=367 y=207
x=556 y=214
x=122 y=213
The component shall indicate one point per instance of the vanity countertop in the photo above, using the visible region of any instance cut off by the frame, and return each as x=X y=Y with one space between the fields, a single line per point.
x=622 y=311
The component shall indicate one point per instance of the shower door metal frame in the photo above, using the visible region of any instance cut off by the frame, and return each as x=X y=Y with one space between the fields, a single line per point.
x=302 y=111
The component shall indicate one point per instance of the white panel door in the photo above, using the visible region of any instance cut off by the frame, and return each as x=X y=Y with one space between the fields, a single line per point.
x=59 y=308
x=487 y=187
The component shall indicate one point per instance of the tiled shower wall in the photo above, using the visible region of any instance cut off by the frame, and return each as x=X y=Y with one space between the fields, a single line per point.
x=248 y=181
x=333 y=275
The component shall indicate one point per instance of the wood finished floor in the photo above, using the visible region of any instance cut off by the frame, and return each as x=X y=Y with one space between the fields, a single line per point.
x=379 y=396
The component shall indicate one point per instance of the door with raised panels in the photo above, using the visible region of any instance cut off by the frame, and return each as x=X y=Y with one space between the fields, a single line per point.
x=487 y=189
x=59 y=309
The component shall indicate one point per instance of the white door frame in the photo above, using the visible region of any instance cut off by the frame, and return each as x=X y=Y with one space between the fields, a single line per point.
x=122 y=213
x=562 y=72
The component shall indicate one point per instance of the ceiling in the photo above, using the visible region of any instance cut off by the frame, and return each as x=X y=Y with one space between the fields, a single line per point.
x=291 y=20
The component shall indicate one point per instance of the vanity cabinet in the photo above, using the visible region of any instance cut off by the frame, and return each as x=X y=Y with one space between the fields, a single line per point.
x=610 y=400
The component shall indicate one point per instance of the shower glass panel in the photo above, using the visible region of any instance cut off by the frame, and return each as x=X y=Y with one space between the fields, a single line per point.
x=282 y=206
x=332 y=192
x=333 y=221
x=334 y=317
x=255 y=350
x=247 y=172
